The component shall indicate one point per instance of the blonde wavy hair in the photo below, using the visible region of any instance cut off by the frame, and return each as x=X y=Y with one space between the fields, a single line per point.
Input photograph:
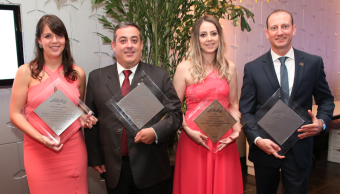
x=221 y=64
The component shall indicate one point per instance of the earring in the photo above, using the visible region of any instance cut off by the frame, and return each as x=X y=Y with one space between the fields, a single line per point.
x=40 y=46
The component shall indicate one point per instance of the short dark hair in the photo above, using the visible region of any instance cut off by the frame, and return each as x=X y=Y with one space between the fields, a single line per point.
x=280 y=10
x=123 y=25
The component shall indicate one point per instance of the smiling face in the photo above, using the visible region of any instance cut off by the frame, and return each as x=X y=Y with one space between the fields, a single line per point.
x=208 y=37
x=52 y=44
x=280 y=32
x=128 y=46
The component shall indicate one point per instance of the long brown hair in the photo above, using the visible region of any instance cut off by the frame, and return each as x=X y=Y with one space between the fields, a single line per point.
x=57 y=27
x=197 y=71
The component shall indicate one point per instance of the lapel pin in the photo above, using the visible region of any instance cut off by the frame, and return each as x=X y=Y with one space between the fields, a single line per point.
x=301 y=64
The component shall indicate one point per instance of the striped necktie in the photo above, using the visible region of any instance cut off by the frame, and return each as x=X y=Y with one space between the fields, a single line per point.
x=284 y=79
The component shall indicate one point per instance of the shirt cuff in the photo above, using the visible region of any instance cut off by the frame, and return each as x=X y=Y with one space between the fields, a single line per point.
x=256 y=140
x=156 y=140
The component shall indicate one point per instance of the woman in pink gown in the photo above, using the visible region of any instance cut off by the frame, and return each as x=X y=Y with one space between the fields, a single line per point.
x=51 y=168
x=204 y=167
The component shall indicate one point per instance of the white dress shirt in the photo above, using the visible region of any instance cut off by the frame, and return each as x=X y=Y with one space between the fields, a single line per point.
x=121 y=76
x=290 y=64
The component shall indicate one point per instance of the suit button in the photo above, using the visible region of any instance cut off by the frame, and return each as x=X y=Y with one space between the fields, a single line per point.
x=119 y=130
x=118 y=148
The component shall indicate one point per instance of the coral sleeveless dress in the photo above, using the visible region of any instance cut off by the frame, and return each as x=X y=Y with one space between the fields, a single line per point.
x=56 y=172
x=198 y=170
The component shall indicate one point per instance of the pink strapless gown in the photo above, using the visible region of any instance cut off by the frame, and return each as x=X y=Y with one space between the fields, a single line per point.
x=56 y=172
x=198 y=170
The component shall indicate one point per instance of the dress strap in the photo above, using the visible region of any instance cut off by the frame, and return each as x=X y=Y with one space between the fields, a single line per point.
x=53 y=75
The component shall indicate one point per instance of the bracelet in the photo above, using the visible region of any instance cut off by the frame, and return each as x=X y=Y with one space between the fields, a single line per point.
x=238 y=120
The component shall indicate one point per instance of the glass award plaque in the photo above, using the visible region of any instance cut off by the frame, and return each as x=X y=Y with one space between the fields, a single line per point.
x=215 y=121
x=279 y=122
x=142 y=107
x=55 y=112
x=212 y=115
x=58 y=112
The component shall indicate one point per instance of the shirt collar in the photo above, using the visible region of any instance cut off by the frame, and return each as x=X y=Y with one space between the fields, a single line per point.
x=290 y=54
x=120 y=68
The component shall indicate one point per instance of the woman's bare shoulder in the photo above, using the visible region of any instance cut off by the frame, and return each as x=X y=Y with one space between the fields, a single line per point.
x=232 y=66
x=23 y=75
x=81 y=72
x=184 y=66
x=24 y=70
x=79 y=69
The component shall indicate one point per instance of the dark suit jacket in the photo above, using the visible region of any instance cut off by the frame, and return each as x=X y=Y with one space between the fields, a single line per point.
x=260 y=82
x=149 y=163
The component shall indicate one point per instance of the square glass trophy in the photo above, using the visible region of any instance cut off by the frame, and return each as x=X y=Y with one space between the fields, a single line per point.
x=213 y=115
x=54 y=112
x=142 y=107
x=279 y=122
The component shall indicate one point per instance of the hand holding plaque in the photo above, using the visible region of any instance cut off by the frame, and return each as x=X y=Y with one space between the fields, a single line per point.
x=52 y=144
x=311 y=129
x=141 y=108
x=54 y=112
x=212 y=115
x=88 y=120
x=226 y=141
x=279 y=122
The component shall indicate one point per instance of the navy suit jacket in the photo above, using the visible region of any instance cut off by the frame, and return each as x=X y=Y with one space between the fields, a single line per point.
x=259 y=84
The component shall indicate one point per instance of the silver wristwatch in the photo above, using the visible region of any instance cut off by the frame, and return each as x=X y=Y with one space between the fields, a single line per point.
x=323 y=124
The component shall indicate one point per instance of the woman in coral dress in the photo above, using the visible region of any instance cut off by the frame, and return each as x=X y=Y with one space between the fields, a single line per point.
x=204 y=167
x=51 y=168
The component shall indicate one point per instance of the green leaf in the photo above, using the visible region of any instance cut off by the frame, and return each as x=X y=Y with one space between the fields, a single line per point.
x=104 y=38
x=237 y=15
x=130 y=16
x=245 y=25
x=160 y=6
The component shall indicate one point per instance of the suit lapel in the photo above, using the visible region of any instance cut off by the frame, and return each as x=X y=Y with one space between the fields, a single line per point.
x=112 y=82
x=268 y=68
x=299 y=70
x=139 y=75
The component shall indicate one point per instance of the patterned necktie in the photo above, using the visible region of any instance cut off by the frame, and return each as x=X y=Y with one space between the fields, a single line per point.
x=125 y=90
x=284 y=80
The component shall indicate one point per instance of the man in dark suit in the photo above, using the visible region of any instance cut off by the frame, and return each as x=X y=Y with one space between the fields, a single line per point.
x=301 y=76
x=132 y=164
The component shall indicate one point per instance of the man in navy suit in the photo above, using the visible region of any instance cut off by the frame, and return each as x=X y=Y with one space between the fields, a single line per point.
x=301 y=76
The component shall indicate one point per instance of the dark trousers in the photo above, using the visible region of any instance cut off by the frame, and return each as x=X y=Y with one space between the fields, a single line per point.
x=294 y=179
x=126 y=184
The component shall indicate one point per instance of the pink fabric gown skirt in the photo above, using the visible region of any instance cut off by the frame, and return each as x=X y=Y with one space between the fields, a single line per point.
x=198 y=170
x=56 y=172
